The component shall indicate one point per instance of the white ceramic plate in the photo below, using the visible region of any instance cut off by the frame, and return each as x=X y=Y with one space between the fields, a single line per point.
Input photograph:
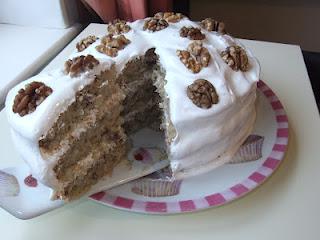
x=218 y=187
x=24 y=197
x=215 y=188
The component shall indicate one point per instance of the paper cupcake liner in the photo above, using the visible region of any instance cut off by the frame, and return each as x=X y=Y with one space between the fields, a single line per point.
x=9 y=185
x=250 y=150
x=156 y=187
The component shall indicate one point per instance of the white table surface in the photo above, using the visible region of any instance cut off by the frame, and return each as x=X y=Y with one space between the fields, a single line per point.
x=26 y=50
x=285 y=207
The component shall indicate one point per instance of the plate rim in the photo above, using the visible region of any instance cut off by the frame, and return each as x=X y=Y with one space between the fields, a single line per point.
x=251 y=182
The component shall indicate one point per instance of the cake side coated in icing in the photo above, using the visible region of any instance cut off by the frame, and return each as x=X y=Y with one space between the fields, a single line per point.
x=203 y=138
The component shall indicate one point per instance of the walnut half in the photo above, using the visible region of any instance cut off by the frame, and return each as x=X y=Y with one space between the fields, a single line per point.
x=202 y=93
x=84 y=43
x=80 y=64
x=196 y=57
x=236 y=58
x=192 y=33
x=111 y=45
x=169 y=16
x=118 y=26
x=28 y=99
x=213 y=25
x=155 y=24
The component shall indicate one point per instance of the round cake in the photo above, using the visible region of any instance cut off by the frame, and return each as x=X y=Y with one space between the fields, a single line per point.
x=190 y=80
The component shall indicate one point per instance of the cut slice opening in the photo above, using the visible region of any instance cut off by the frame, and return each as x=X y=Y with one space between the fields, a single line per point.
x=92 y=136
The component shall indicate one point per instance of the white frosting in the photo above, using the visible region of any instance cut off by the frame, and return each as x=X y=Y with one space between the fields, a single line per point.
x=205 y=138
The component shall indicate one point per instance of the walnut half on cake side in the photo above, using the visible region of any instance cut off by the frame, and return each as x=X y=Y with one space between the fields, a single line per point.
x=30 y=97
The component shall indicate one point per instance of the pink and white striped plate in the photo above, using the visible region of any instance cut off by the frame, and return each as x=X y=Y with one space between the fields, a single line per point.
x=224 y=184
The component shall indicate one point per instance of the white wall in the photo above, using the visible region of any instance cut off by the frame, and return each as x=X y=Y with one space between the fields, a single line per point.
x=40 y=13
x=295 y=21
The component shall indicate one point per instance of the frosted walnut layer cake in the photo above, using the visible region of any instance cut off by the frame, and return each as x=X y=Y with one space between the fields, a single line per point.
x=190 y=80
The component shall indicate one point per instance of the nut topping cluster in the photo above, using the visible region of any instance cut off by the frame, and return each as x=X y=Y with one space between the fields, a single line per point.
x=236 y=58
x=111 y=45
x=80 y=64
x=213 y=25
x=84 y=43
x=192 y=33
x=154 y=24
x=196 y=57
x=202 y=93
x=28 y=99
x=118 y=26
x=169 y=16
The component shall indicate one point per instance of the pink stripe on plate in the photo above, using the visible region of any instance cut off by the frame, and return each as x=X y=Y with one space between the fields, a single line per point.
x=123 y=202
x=279 y=111
x=98 y=196
x=108 y=198
x=282 y=132
x=282 y=118
x=263 y=88
x=156 y=207
x=260 y=84
x=268 y=93
x=257 y=177
x=271 y=163
x=276 y=105
x=273 y=98
x=187 y=206
x=215 y=199
x=279 y=147
x=239 y=189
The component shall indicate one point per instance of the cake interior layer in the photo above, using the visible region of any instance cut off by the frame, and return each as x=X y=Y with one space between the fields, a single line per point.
x=86 y=177
x=141 y=105
x=103 y=137
x=91 y=137
x=91 y=104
